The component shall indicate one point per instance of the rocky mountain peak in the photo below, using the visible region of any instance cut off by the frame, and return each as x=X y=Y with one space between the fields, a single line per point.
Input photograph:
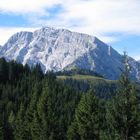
x=60 y=49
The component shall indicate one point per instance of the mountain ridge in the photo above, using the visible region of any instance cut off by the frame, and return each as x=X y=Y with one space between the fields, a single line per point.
x=61 y=49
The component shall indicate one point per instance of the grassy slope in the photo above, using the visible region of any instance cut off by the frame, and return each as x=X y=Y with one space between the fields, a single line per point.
x=88 y=78
x=105 y=88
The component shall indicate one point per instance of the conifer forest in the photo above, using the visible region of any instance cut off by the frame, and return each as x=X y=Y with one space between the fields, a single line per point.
x=56 y=106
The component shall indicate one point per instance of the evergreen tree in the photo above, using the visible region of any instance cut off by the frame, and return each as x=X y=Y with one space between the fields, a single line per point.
x=3 y=71
x=86 y=121
x=124 y=115
x=46 y=112
x=11 y=122
x=1 y=133
x=20 y=131
x=1 y=128
x=37 y=71
x=32 y=107
x=37 y=106
x=36 y=128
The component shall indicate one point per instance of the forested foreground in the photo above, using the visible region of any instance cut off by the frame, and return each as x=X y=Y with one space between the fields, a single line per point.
x=34 y=106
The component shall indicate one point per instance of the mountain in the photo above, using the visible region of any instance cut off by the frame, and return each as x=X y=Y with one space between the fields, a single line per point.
x=61 y=49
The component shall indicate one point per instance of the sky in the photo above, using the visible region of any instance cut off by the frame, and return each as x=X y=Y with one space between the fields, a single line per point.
x=116 y=22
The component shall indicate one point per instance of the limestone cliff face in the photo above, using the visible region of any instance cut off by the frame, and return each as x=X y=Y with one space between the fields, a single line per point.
x=59 y=49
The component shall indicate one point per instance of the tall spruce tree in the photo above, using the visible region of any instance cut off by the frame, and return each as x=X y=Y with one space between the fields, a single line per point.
x=124 y=114
x=20 y=131
x=46 y=114
x=36 y=128
x=86 y=123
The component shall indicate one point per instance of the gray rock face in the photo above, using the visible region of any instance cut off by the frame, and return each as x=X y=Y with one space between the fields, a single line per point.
x=59 y=49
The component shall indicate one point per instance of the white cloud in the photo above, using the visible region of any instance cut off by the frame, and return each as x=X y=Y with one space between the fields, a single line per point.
x=102 y=16
x=95 y=17
x=26 y=6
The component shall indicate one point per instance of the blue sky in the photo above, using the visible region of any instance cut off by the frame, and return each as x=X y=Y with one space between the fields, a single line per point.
x=114 y=22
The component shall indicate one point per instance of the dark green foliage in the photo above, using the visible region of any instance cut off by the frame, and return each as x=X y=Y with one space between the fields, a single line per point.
x=20 y=132
x=86 y=122
x=1 y=127
x=37 y=106
x=36 y=127
x=3 y=71
x=102 y=89
x=124 y=115
x=56 y=108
